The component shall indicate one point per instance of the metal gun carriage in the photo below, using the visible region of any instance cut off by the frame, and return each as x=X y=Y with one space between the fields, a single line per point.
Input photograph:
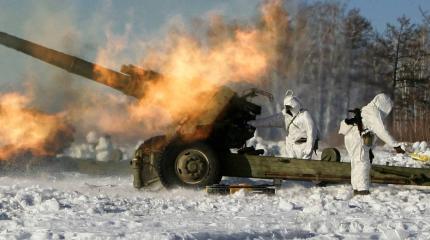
x=198 y=153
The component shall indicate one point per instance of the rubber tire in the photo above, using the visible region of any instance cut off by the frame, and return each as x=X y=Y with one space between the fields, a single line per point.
x=166 y=166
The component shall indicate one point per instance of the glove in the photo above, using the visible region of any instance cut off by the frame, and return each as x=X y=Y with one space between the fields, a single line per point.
x=307 y=153
x=399 y=150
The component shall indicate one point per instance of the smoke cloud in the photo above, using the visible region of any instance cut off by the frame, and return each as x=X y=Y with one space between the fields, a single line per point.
x=195 y=60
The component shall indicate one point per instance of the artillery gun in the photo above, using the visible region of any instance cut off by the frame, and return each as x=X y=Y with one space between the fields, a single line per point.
x=198 y=153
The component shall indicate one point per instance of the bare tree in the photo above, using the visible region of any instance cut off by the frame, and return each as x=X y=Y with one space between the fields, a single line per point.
x=405 y=50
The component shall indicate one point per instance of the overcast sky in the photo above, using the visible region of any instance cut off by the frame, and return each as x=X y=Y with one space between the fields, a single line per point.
x=46 y=21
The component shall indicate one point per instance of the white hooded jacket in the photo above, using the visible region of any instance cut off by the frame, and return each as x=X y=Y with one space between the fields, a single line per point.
x=298 y=126
x=372 y=115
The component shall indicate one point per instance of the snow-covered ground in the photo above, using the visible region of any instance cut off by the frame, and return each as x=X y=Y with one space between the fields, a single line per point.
x=76 y=206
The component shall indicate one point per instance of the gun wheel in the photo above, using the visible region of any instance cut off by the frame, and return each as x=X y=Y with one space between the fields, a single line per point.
x=191 y=165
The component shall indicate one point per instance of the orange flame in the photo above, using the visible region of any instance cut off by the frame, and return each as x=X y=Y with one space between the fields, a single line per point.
x=194 y=69
x=24 y=130
x=194 y=74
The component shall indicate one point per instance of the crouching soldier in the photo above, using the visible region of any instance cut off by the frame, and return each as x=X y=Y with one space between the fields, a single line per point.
x=360 y=135
x=302 y=134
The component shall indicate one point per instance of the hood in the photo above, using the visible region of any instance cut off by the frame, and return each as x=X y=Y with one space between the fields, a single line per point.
x=383 y=104
x=292 y=101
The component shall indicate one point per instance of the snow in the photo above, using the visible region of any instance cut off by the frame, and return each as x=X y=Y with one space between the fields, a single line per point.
x=80 y=206
x=92 y=137
x=421 y=147
x=76 y=206
x=392 y=159
x=99 y=148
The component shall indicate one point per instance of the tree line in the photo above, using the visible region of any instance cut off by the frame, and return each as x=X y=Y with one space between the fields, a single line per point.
x=335 y=60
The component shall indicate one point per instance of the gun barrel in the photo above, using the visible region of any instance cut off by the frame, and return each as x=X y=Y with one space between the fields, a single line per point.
x=117 y=80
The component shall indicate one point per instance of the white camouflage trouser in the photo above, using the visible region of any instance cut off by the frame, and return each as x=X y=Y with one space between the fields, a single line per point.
x=295 y=150
x=360 y=162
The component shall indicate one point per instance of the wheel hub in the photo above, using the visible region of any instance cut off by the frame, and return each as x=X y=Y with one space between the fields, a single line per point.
x=192 y=166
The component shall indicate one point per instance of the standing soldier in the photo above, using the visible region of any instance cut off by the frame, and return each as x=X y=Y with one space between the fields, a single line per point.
x=360 y=132
x=302 y=134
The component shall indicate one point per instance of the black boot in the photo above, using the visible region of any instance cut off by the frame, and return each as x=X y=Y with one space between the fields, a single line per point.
x=362 y=192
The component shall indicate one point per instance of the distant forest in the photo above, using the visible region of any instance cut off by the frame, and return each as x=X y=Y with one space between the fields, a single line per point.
x=334 y=60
